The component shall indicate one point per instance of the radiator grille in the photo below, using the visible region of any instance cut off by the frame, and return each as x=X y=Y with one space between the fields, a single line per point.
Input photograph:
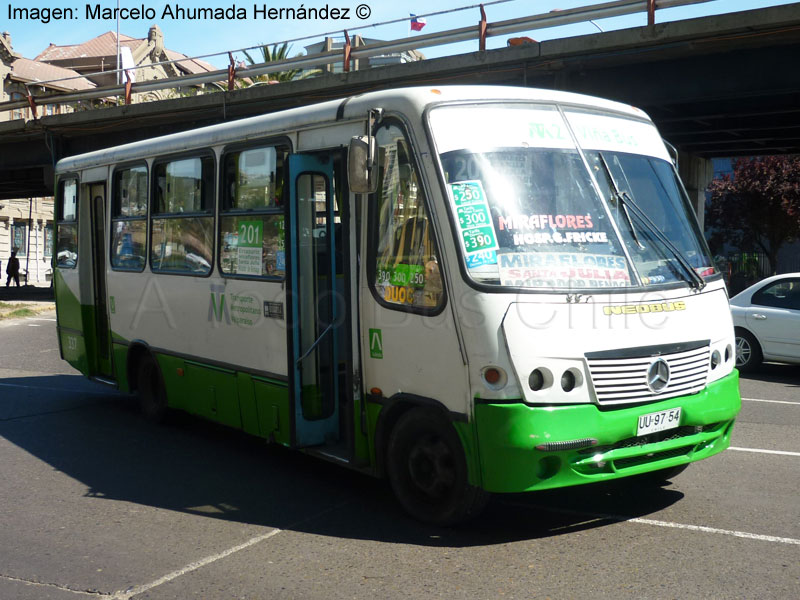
x=622 y=379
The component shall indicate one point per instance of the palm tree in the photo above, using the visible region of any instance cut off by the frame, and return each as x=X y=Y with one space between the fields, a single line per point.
x=276 y=53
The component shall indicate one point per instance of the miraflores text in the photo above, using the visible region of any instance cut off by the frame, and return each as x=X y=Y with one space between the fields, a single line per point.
x=179 y=12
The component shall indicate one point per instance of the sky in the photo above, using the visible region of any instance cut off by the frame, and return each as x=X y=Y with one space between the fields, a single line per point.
x=195 y=37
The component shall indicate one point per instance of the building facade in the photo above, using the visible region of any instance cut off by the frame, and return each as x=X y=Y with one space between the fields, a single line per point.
x=26 y=225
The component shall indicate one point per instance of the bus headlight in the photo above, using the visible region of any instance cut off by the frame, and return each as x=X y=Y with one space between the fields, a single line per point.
x=555 y=381
x=721 y=361
x=571 y=379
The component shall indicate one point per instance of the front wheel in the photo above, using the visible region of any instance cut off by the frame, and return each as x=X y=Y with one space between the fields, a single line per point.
x=428 y=471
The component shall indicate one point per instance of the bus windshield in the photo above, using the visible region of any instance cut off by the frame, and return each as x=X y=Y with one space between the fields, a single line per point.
x=580 y=201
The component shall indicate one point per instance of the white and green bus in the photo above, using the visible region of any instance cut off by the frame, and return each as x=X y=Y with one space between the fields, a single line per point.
x=467 y=290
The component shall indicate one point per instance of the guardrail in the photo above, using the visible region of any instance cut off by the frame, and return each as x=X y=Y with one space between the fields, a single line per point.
x=479 y=32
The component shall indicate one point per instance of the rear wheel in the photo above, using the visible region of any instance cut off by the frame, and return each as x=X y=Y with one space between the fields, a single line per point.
x=150 y=387
x=748 y=351
x=428 y=471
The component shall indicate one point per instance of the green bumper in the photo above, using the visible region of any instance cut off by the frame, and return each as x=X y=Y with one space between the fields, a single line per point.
x=508 y=435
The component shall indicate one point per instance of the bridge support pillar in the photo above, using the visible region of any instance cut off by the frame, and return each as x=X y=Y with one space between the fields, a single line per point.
x=696 y=173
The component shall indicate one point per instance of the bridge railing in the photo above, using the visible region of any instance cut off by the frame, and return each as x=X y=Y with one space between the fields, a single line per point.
x=479 y=32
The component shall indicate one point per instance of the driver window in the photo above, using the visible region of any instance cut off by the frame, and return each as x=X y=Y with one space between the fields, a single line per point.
x=406 y=264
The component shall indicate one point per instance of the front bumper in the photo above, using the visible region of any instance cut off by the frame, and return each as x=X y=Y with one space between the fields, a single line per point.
x=509 y=433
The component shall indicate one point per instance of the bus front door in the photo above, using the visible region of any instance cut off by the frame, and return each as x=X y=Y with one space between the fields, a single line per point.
x=102 y=353
x=315 y=308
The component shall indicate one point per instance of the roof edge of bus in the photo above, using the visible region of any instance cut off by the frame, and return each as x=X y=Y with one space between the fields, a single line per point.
x=273 y=123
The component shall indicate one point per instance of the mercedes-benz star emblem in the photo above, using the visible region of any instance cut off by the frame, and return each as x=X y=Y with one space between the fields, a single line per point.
x=658 y=376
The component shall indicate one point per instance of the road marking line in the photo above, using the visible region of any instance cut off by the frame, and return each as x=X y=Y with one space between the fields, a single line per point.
x=668 y=524
x=771 y=401
x=38 y=319
x=783 y=452
x=136 y=590
x=704 y=529
x=52 y=585
x=140 y=589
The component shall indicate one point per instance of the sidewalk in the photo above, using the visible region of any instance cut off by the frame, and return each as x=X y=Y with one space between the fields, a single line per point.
x=28 y=293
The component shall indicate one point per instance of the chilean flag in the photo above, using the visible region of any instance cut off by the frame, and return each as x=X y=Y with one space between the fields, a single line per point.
x=417 y=23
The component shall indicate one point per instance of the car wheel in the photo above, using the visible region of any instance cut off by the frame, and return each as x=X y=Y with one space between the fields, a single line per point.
x=748 y=351
x=427 y=470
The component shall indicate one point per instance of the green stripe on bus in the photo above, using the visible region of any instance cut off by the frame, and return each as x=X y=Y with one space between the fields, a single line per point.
x=509 y=433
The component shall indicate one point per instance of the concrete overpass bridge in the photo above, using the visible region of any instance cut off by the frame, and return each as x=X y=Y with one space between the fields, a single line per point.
x=726 y=85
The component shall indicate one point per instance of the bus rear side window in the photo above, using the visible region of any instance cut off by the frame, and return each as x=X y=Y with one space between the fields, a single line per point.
x=182 y=223
x=67 y=239
x=129 y=219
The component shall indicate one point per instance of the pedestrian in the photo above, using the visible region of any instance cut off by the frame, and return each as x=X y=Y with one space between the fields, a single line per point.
x=12 y=269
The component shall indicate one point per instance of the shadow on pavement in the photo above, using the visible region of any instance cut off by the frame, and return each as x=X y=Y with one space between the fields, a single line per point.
x=775 y=373
x=97 y=437
x=27 y=293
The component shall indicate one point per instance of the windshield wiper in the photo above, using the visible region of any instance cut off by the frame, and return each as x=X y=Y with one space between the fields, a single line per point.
x=622 y=200
x=625 y=200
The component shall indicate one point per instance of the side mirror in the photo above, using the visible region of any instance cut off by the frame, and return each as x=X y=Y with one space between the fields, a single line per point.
x=361 y=175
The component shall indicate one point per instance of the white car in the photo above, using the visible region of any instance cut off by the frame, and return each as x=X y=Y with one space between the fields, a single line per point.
x=766 y=318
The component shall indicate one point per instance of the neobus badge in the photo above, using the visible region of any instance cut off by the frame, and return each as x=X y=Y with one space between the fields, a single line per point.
x=633 y=309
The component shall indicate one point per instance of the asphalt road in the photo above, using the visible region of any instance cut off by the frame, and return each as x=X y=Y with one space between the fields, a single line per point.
x=97 y=503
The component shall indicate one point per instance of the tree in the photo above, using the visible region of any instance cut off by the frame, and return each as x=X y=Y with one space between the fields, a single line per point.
x=276 y=53
x=758 y=208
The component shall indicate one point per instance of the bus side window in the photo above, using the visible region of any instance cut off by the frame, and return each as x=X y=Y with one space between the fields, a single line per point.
x=403 y=252
x=67 y=231
x=252 y=236
x=182 y=219
x=129 y=219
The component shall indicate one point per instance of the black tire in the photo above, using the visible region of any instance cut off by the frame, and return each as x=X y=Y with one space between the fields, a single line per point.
x=427 y=470
x=151 y=391
x=748 y=351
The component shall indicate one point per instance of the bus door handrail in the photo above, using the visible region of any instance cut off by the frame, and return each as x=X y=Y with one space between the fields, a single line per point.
x=314 y=345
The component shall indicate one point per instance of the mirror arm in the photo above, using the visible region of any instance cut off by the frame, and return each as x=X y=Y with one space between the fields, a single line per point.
x=374 y=117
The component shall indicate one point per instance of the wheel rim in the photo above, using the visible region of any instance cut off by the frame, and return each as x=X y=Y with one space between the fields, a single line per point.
x=743 y=351
x=432 y=467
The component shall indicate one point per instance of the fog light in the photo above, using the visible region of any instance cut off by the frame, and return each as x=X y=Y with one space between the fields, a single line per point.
x=728 y=352
x=536 y=380
x=715 y=359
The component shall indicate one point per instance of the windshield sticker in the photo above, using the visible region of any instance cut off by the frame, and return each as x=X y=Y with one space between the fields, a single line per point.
x=474 y=220
x=519 y=229
x=545 y=222
x=480 y=259
x=567 y=269
x=558 y=237
x=599 y=132
x=249 y=247
x=475 y=128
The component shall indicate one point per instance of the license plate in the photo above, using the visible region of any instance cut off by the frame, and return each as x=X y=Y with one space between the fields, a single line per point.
x=659 y=421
